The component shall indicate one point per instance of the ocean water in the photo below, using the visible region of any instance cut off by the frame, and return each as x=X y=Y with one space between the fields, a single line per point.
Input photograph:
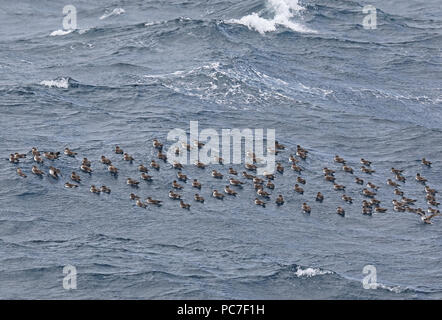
x=134 y=70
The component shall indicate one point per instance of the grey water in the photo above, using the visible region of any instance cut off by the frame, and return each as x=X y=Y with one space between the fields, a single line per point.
x=134 y=70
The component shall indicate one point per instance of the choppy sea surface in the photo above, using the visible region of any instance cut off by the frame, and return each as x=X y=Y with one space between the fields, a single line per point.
x=134 y=70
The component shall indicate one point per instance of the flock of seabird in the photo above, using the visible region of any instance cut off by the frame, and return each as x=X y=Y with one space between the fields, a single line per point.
x=369 y=191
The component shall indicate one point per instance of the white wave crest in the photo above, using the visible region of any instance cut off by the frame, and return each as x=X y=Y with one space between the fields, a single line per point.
x=115 y=12
x=60 y=32
x=284 y=11
x=57 y=83
x=310 y=272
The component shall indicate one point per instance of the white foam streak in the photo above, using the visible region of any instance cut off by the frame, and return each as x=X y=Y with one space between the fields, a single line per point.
x=115 y=12
x=284 y=12
x=60 y=32
x=58 y=83
x=310 y=272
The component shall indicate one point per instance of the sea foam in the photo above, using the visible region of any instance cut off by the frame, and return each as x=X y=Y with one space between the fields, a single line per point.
x=284 y=12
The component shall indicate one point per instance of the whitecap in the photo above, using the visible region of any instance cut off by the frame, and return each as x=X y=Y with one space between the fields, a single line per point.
x=57 y=83
x=284 y=11
x=60 y=32
x=115 y=12
x=310 y=272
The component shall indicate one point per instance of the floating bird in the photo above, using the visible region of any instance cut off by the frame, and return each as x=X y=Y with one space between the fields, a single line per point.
x=20 y=173
x=174 y=196
x=235 y=182
x=379 y=209
x=279 y=200
x=157 y=145
x=134 y=196
x=94 y=189
x=177 y=165
x=328 y=172
x=248 y=176
x=372 y=186
x=419 y=178
x=157 y=203
x=70 y=185
x=392 y=183
x=250 y=167
x=217 y=195
x=75 y=177
x=338 y=159
x=259 y=202
x=196 y=184
x=234 y=172
x=279 y=168
x=338 y=187
x=13 y=159
x=140 y=204
x=359 y=181
x=86 y=162
x=161 y=156
x=396 y=171
x=368 y=193
x=86 y=168
x=54 y=172
x=38 y=159
x=216 y=174
x=118 y=150
x=69 y=152
x=298 y=189
x=300 y=180
x=200 y=165
x=367 y=170
x=146 y=177
x=127 y=157
x=112 y=169
x=279 y=146
x=270 y=184
x=260 y=191
x=306 y=208
x=154 y=165
x=184 y=205
x=347 y=169
x=181 y=176
x=105 y=189
x=142 y=168
x=329 y=178
x=426 y=162
x=176 y=185
x=105 y=161
x=132 y=182
x=365 y=162
x=37 y=171
x=198 y=198
x=229 y=191
x=340 y=211
x=319 y=197
x=296 y=168
x=347 y=198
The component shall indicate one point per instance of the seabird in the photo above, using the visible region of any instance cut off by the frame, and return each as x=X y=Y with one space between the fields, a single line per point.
x=340 y=211
x=217 y=194
x=75 y=177
x=260 y=202
x=69 y=152
x=105 y=161
x=20 y=173
x=279 y=200
x=149 y=200
x=176 y=185
x=174 y=196
x=132 y=182
x=298 y=189
x=319 y=197
x=217 y=174
x=234 y=172
x=184 y=205
x=229 y=191
x=196 y=184
x=198 y=198
x=70 y=185
x=306 y=208
x=118 y=150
